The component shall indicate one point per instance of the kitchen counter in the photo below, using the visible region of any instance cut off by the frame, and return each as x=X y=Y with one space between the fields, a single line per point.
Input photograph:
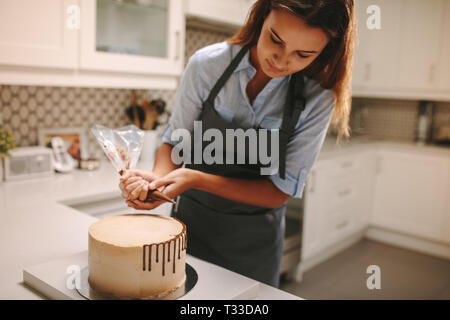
x=37 y=227
x=365 y=143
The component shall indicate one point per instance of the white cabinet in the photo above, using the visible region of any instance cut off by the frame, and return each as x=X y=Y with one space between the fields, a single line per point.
x=38 y=33
x=444 y=61
x=407 y=57
x=312 y=211
x=94 y=43
x=411 y=193
x=376 y=55
x=143 y=37
x=337 y=201
x=419 y=43
x=231 y=12
x=445 y=230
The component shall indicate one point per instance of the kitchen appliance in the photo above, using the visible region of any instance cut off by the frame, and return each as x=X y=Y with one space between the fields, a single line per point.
x=443 y=135
x=62 y=161
x=424 y=122
x=28 y=162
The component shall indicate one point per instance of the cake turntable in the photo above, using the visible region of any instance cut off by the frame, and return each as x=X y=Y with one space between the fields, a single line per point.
x=90 y=294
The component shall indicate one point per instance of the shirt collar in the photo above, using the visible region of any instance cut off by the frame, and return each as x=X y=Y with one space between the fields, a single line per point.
x=245 y=64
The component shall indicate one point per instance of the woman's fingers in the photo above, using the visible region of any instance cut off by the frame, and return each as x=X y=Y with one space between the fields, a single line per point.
x=144 y=192
x=132 y=180
x=129 y=188
x=135 y=193
x=160 y=183
x=126 y=174
x=139 y=205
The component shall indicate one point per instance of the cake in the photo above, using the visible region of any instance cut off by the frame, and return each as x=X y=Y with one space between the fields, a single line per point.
x=137 y=256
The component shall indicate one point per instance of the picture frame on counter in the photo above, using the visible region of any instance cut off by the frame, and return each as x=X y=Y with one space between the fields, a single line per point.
x=75 y=139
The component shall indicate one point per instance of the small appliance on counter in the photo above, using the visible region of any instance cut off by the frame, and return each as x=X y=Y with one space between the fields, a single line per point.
x=443 y=135
x=62 y=161
x=28 y=162
x=424 y=122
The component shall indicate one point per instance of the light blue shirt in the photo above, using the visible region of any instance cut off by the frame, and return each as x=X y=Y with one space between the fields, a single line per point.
x=203 y=70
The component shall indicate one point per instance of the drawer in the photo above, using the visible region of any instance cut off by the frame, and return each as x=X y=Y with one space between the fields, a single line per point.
x=344 y=168
x=338 y=224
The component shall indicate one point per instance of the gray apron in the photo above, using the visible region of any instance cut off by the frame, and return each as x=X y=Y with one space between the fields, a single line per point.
x=243 y=238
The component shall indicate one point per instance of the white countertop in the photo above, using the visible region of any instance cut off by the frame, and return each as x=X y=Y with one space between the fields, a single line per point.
x=362 y=143
x=35 y=227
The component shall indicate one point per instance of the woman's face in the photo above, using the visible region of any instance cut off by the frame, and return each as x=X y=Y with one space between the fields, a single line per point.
x=287 y=45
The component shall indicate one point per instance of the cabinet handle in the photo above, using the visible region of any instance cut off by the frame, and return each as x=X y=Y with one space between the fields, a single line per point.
x=346 y=164
x=367 y=71
x=378 y=165
x=312 y=181
x=342 y=224
x=431 y=73
x=344 y=192
x=177 y=45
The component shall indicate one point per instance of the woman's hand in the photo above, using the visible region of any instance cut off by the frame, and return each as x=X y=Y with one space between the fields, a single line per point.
x=134 y=184
x=176 y=182
x=173 y=184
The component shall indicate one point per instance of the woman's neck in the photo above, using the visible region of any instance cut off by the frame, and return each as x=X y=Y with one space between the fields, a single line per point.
x=260 y=77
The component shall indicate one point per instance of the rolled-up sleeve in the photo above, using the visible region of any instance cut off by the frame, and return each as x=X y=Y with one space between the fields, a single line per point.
x=188 y=100
x=306 y=142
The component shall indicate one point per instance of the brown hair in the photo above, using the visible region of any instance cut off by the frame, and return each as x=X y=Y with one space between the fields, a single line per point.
x=333 y=67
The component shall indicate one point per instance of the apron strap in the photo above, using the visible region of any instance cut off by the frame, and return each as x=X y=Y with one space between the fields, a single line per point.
x=293 y=108
x=226 y=75
x=295 y=104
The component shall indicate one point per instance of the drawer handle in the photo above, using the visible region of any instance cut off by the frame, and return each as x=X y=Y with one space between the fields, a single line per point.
x=342 y=224
x=344 y=192
x=346 y=164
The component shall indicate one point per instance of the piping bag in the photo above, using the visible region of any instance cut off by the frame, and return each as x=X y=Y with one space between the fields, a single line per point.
x=123 y=147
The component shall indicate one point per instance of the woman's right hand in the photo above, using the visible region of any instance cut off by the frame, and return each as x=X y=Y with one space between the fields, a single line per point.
x=134 y=184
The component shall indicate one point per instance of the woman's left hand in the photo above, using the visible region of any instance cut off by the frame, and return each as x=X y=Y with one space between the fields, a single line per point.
x=173 y=184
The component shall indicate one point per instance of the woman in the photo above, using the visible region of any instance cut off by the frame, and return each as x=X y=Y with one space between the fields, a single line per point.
x=288 y=68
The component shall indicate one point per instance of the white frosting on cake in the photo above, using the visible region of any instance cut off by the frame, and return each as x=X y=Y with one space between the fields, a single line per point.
x=118 y=264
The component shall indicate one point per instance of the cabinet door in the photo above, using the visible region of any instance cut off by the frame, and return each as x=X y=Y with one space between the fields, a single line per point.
x=39 y=33
x=376 y=57
x=419 y=43
x=312 y=237
x=410 y=193
x=145 y=37
x=445 y=231
x=444 y=61
x=231 y=12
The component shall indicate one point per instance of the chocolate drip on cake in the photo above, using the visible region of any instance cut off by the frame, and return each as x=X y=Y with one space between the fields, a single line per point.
x=182 y=245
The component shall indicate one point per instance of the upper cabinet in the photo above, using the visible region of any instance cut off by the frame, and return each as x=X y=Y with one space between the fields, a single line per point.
x=419 y=43
x=38 y=33
x=402 y=49
x=229 y=12
x=140 y=36
x=444 y=62
x=98 y=43
x=376 y=55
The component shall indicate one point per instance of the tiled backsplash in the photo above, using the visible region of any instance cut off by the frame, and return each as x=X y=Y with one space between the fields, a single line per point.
x=26 y=109
x=393 y=119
